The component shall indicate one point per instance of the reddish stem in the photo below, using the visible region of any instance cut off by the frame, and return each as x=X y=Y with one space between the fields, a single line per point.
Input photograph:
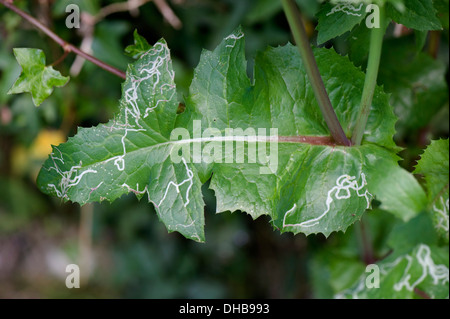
x=65 y=45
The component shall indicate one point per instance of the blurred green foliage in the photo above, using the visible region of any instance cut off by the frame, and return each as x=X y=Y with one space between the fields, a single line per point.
x=129 y=252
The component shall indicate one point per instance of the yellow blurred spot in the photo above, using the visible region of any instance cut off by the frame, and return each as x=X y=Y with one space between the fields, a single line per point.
x=19 y=159
x=309 y=27
x=42 y=145
x=29 y=160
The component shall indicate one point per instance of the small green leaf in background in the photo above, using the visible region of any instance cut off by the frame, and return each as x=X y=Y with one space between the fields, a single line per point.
x=36 y=78
x=434 y=166
x=139 y=47
x=417 y=14
x=416 y=82
x=405 y=236
x=442 y=6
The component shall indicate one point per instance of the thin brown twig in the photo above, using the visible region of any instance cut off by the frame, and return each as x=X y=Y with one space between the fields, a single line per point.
x=131 y=6
x=118 y=7
x=89 y=22
x=168 y=14
x=65 y=45
x=63 y=56
x=434 y=43
x=367 y=253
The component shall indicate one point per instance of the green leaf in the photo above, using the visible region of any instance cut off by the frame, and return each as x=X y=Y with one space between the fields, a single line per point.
x=36 y=78
x=359 y=43
x=416 y=81
x=434 y=166
x=417 y=14
x=423 y=269
x=442 y=7
x=336 y=19
x=419 y=230
x=263 y=10
x=277 y=160
x=421 y=39
x=139 y=47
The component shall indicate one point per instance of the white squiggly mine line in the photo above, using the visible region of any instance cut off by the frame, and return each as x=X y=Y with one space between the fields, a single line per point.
x=439 y=273
x=344 y=183
x=234 y=38
x=151 y=70
x=442 y=215
x=347 y=8
x=189 y=180
x=69 y=178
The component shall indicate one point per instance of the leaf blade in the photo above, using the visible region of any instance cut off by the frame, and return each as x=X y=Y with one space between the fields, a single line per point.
x=36 y=78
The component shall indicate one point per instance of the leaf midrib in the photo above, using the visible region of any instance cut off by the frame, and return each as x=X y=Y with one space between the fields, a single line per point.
x=307 y=140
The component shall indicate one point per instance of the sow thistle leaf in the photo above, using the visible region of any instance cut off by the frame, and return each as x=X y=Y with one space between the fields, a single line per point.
x=434 y=166
x=335 y=19
x=36 y=78
x=424 y=268
x=278 y=160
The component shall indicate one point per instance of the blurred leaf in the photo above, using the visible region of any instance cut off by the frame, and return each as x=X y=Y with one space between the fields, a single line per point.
x=263 y=10
x=416 y=81
x=418 y=14
x=359 y=43
x=10 y=71
x=442 y=7
x=25 y=123
x=424 y=268
x=338 y=264
x=421 y=39
x=404 y=205
x=19 y=204
x=405 y=236
x=36 y=78
x=309 y=7
x=434 y=166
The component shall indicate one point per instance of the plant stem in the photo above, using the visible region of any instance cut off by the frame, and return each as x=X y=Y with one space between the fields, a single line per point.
x=434 y=43
x=60 y=59
x=421 y=294
x=373 y=64
x=302 y=41
x=367 y=253
x=66 y=46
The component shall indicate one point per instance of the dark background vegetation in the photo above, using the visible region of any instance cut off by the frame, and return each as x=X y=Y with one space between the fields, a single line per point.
x=122 y=248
